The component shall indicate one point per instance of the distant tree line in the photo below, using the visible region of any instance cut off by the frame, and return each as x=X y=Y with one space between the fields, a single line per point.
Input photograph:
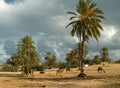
x=28 y=57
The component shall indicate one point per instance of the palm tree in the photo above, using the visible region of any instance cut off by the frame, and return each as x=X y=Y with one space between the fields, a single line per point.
x=96 y=59
x=54 y=61
x=71 y=57
x=105 y=55
x=86 y=23
x=27 y=53
x=48 y=58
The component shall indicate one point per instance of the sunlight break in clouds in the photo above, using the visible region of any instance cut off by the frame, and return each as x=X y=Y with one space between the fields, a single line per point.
x=109 y=31
x=4 y=6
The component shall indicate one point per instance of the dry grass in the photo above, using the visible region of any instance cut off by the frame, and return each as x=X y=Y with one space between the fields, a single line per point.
x=110 y=79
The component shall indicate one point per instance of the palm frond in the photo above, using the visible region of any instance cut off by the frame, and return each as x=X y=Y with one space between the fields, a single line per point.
x=71 y=23
x=73 y=17
x=93 y=5
x=89 y=26
x=99 y=26
x=72 y=13
x=99 y=16
x=98 y=11
x=78 y=11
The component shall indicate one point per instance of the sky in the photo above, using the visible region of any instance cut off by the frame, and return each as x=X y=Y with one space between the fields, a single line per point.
x=45 y=21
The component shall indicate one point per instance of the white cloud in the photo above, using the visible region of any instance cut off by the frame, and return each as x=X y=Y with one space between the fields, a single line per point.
x=109 y=32
x=41 y=33
x=60 y=20
x=114 y=54
x=3 y=5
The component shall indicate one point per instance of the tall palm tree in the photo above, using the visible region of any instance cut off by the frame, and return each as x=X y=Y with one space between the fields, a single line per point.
x=27 y=53
x=25 y=46
x=86 y=23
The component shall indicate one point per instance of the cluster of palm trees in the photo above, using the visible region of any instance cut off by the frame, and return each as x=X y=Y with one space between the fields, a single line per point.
x=86 y=23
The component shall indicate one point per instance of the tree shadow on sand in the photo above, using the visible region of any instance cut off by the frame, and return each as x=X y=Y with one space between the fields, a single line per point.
x=59 y=79
x=5 y=74
x=115 y=85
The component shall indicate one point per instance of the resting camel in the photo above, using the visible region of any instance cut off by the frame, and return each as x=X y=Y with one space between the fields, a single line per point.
x=100 y=69
x=68 y=70
x=59 y=71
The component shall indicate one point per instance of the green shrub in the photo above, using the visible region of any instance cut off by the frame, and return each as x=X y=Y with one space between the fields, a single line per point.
x=63 y=65
x=8 y=68
x=41 y=68
x=96 y=61
x=88 y=61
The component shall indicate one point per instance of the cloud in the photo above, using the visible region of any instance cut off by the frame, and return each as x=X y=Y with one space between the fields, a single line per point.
x=109 y=39
x=13 y=1
x=10 y=47
x=55 y=44
x=45 y=21
x=31 y=17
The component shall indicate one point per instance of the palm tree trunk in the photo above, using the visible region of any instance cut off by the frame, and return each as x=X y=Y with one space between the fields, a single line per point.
x=79 y=64
x=82 y=57
x=82 y=74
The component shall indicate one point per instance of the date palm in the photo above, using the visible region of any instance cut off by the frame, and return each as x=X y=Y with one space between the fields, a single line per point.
x=27 y=53
x=71 y=57
x=86 y=23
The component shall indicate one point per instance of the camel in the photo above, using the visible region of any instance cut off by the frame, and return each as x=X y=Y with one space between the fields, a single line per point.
x=31 y=71
x=42 y=72
x=59 y=71
x=28 y=72
x=68 y=70
x=100 y=69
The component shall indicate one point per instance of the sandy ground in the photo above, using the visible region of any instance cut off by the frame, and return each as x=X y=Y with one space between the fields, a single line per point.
x=110 y=79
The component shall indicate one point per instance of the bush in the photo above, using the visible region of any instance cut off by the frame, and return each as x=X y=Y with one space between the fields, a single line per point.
x=96 y=61
x=118 y=61
x=8 y=68
x=88 y=61
x=63 y=65
x=41 y=68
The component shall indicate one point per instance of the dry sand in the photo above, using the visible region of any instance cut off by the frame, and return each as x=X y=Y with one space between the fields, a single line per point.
x=110 y=79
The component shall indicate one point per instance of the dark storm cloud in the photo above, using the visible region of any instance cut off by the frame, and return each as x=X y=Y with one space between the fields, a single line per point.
x=30 y=19
x=37 y=17
x=111 y=11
